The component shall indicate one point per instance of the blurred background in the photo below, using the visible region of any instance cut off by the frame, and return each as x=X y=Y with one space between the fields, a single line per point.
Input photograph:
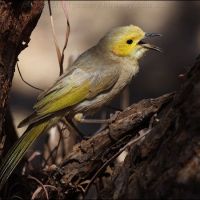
x=179 y=22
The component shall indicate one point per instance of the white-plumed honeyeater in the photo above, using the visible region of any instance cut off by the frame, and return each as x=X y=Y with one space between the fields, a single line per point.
x=93 y=80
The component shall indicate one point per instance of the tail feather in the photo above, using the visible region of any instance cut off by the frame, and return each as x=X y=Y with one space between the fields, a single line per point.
x=27 y=120
x=16 y=153
x=33 y=118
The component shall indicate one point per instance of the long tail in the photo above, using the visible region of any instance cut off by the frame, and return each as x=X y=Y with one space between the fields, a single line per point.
x=16 y=153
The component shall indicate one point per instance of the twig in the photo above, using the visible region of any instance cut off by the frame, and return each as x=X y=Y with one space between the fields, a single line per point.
x=41 y=184
x=37 y=191
x=26 y=81
x=68 y=28
x=55 y=149
x=50 y=154
x=54 y=38
x=60 y=129
x=113 y=157
x=62 y=144
x=59 y=54
x=34 y=154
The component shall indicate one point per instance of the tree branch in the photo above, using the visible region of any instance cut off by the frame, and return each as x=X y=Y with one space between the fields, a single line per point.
x=89 y=155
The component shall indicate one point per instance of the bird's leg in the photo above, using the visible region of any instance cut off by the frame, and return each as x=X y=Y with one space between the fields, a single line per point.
x=74 y=128
x=79 y=117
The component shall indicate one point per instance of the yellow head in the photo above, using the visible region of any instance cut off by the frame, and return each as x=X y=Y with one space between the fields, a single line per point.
x=126 y=41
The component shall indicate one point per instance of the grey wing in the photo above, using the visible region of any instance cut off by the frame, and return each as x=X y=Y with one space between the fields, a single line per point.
x=98 y=80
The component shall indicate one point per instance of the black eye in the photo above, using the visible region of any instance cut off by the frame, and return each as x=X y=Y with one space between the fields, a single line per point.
x=129 y=41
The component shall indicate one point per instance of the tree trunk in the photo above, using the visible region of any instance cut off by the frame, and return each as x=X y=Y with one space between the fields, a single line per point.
x=17 y=21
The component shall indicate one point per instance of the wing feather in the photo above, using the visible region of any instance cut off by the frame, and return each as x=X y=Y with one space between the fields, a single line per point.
x=76 y=87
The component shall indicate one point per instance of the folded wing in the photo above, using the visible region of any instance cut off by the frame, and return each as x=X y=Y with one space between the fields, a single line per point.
x=72 y=88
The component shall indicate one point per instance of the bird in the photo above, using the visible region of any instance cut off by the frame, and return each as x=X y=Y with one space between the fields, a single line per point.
x=92 y=81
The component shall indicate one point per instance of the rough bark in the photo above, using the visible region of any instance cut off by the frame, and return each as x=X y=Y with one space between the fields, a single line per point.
x=167 y=163
x=17 y=21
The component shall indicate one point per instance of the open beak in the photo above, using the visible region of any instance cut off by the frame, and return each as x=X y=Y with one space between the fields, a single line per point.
x=147 y=45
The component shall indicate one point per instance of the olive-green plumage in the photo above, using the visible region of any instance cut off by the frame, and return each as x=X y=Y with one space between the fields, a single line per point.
x=93 y=80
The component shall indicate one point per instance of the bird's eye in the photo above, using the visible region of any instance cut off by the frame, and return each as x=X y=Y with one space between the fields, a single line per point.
x=129 y=41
